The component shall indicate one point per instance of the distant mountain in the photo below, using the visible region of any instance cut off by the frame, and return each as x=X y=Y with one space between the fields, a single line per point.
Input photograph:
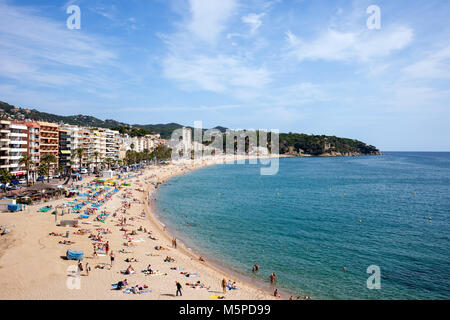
x=165 y=130
x=13 y=112
x=290 y=143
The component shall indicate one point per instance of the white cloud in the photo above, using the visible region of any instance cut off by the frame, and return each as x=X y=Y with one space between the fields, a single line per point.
x=435 y=66
x=419 y=98
x=211 y=68
x=253 y=20
x=217 y=74
x=208 y=18
x=333 y=45
x=39 y=51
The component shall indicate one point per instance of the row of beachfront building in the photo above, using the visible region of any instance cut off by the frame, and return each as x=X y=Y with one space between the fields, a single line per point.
x=37 y=138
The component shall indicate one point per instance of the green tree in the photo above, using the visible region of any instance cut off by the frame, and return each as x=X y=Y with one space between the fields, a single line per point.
x=5 y=177
x=96 y=154
x=108 y=162
x=48 y=159
x=161 y=152
x=78 y=154
x=44 y=169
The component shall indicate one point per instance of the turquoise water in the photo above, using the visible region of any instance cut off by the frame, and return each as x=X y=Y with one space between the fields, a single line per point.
x=318 y=215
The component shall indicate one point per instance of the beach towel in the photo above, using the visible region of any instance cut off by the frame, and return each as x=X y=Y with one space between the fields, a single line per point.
x=217 y=297
x=155 y=274
x=125 y=272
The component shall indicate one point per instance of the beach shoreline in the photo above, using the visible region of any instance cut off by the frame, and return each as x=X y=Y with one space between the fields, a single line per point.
x=217 y=265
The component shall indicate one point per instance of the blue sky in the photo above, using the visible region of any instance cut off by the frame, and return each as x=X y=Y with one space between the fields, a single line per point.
x=300 y=65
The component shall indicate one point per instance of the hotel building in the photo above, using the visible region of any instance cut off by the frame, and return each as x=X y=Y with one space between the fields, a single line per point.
x=49 y=142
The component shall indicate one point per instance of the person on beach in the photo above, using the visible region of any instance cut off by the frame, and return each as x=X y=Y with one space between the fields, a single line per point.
x=95 y=255
x=111 y=256
x=88 y=268
x=224 y=285
x=107 y=247
x=255 y=268
x=178 y=288
x=276 y=294
x=273 y=277
x=122 y=284
x=80 y=268
x=129 y=270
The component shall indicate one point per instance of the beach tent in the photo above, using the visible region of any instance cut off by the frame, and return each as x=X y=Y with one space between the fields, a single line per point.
x=70 y=223
x=74 y=255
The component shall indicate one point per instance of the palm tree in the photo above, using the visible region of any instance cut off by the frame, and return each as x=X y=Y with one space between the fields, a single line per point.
x=96 y=154
x=26 y=161
x=44 y=169
x=78 y=153
x=109 y=161
x=5 y=177
x=146 y=154
x=61 y=169
x=48 y=159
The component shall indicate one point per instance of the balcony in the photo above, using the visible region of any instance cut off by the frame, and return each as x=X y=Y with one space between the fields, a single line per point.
x=12 y=149
x=18 y=126
x=18 y=142
x=54 y=145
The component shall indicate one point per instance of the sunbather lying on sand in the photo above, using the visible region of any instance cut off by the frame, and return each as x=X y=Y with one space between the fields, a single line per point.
x=129 y=270
x=121 y=284
x=108 y=267
x=68 y=242
x=160 y=248
x=131 y=260
x=198 y=284
x=188 y=274
x=129 y=244
x=55 y=234
x=169 y=259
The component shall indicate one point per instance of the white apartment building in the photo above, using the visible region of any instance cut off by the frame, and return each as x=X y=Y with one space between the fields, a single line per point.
x=18 y=136
x=113 y=143
x=4 y=144
x=97 y=145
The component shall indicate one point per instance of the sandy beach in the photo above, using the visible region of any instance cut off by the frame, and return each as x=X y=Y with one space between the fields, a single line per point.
x=32 y=264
